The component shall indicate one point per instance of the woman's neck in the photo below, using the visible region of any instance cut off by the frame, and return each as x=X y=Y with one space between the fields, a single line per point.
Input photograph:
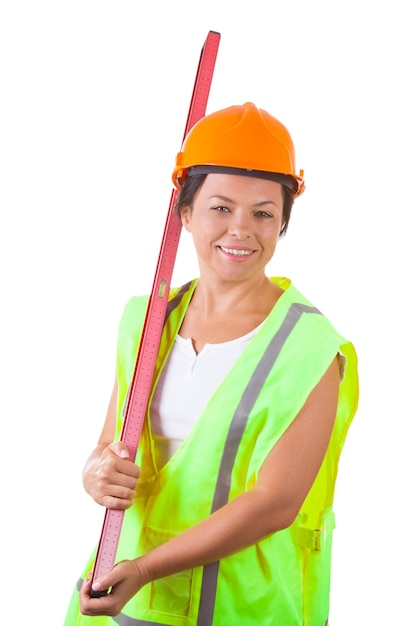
x=229 y=313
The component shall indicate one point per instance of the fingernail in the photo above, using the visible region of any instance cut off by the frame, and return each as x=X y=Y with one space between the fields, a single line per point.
x=96 y=586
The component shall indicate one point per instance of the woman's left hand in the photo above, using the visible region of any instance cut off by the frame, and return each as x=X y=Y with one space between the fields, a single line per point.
x=124 y=580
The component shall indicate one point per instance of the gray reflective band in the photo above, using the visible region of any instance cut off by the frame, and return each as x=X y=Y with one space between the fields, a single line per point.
x=249 y=398
x=234 y=437
x=172 y=304
x=237 y=427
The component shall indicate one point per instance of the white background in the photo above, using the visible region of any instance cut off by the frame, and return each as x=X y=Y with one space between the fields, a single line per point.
x=94 y=98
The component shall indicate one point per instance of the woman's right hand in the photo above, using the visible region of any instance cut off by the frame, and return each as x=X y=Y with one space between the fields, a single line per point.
x=109 y=477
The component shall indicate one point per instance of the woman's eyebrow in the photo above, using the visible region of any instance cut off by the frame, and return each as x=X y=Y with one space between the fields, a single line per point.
x=229 y=200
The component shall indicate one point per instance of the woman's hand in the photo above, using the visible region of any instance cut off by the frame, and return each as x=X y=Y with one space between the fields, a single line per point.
x=110 y=477
x=124 y=580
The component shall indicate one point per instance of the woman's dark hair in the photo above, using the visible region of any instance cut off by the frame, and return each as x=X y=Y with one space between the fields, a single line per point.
x=192 y=185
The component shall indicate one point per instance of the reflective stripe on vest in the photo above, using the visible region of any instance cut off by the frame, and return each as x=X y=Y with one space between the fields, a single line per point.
x=221 y=495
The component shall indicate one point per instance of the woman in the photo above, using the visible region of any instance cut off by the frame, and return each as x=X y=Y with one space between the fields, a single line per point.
x=228 y=509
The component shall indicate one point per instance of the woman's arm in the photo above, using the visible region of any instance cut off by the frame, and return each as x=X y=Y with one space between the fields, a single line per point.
x=109 y=477
x=283 y=484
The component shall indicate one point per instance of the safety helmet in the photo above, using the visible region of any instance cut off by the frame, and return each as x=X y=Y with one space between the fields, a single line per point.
x=243 y=138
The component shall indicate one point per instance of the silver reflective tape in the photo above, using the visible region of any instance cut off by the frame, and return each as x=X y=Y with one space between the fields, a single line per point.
x=234 y=437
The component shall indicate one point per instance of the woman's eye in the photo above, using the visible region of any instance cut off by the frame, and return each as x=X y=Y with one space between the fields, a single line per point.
x=220 y=208
x=263 y=214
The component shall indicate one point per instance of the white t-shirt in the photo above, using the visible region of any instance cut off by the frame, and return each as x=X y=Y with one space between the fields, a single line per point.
x=186 y=384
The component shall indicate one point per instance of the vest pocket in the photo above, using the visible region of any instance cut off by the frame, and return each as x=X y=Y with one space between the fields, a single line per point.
x=170 y=595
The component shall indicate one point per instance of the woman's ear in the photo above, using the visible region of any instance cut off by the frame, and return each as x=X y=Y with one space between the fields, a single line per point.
x=186 y=218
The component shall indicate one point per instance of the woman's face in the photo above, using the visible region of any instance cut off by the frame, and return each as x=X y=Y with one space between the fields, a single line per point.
x=235 y=222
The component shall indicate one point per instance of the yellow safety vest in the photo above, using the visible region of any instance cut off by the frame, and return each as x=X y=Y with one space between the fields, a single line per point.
x=284 y=580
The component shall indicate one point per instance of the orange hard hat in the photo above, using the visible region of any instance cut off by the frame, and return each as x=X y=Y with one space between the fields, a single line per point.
x=243 y=138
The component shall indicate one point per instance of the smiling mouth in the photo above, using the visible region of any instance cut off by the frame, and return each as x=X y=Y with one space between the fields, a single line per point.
x=235 y=252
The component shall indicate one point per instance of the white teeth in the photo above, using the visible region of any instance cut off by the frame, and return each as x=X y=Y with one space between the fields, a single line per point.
x=237 y=252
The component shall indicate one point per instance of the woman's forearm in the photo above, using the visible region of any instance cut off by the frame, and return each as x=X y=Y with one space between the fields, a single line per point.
x=241 y=523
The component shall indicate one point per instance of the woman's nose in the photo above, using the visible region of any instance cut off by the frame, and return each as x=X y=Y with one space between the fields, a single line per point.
x=240 y=225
